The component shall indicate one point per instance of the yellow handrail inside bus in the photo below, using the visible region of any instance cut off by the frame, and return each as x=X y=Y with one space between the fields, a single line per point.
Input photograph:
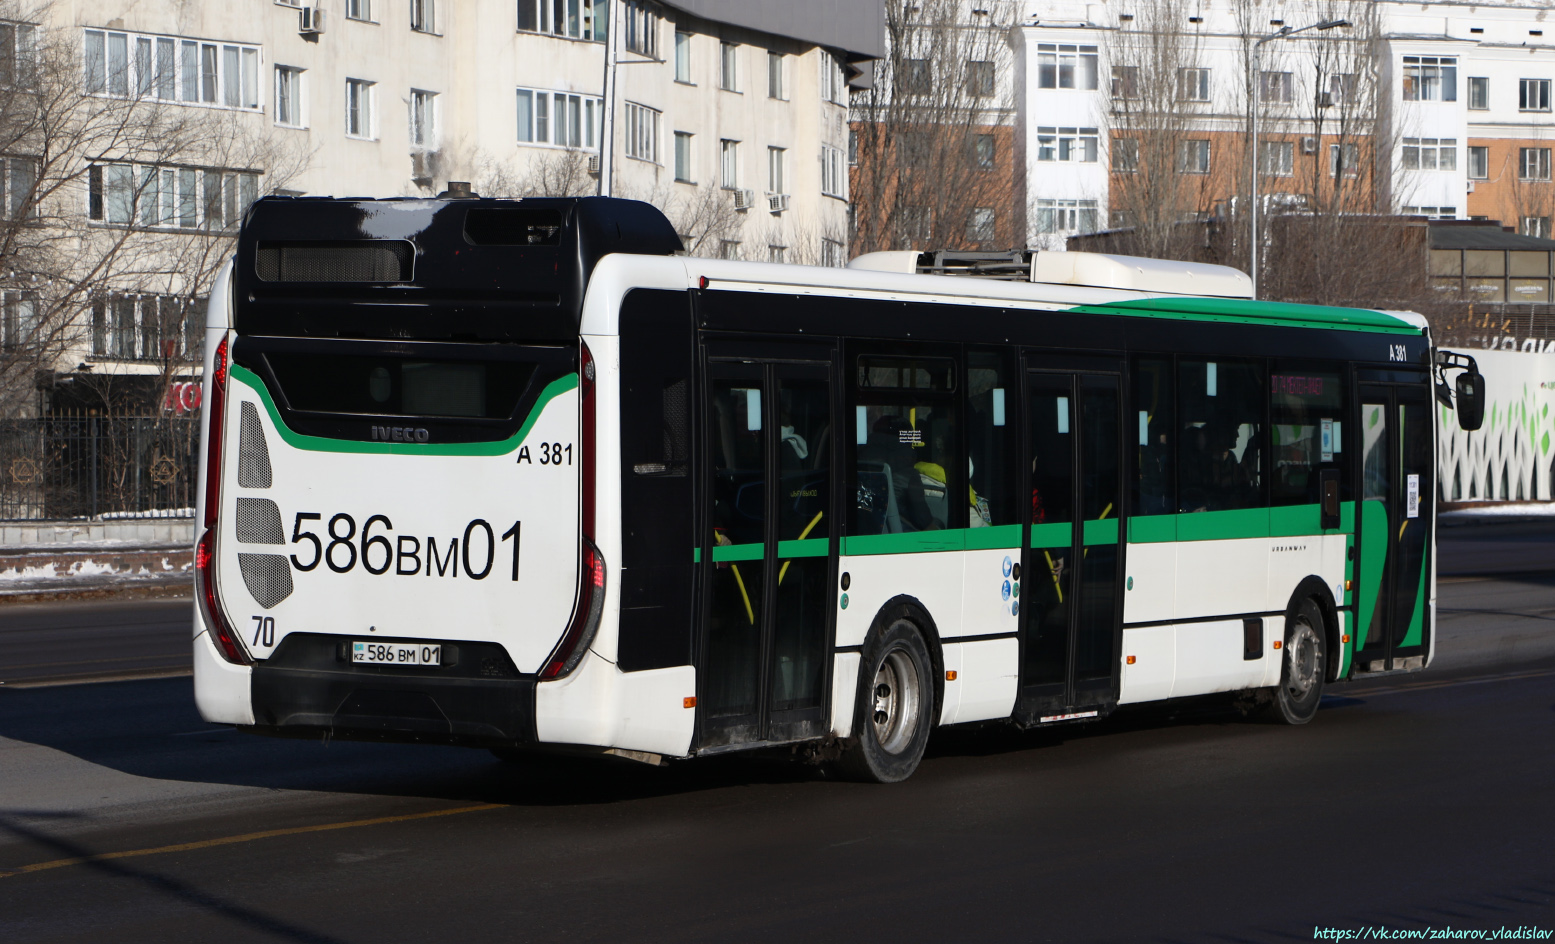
x=802 y=535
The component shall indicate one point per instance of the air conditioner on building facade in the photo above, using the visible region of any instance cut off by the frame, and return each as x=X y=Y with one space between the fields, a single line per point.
x=777 y=202
x=744 y=199
x=594 y=164
x=310 y=20
x=1309 y=145
x=1471 y=186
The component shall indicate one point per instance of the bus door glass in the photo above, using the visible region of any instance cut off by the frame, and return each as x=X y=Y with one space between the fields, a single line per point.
x=767 y=555
x=1073 y=557
x=1397 y=508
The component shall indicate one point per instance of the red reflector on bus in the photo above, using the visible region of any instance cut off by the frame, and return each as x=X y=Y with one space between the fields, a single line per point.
x=1345 y=638
x=1130 y=660
x=1278 y=644
x=950 y=675
x=690 y=701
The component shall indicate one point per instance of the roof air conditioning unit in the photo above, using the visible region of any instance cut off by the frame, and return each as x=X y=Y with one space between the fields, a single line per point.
x=1309 y=145
x=594 y=164
x=777 y=202
x=744 y=199
x=310 y=21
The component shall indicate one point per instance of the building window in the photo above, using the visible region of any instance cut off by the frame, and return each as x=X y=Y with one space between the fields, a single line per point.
x=1125 y=82
x=133 y=327
x=1193 y=85
x=1430 y=79
x=288 y=97
x=1276 y=87
x=1433 y=213
x=1125 y=155
x=728 y=249
x=1533 y=163
x=423 y=16
x=1536 y=226
x=423 y=118
x=21 y=319
x=1479 y=163
x=775 y=76
x=984 y=151
x=728 y=61
x=834 y=173
x=775 y=170
x=917 y=77
x=359 y=10
x=980 y=225
x=642 y=132
x=1193 y=157
x=1067 y=144
x=575 y=19
x=1066 y=67
x=558 y=118
x=728 y=164
x=980 y=78
x=852 y=147
x=683 y=157
x=168 y=68
x=1276 y=158
x=1345 y=160
x=834 y=86
x=1479 y=93
x=832 y=253
x=1341 y=88
x=640 y=27
x=1430 y=154
x=1533 y=95
x=777 y=254
x=682 y=57
x=1066 y=216
x=915 y=224
x=17 y=56
x=359 y=108
x=167 y=197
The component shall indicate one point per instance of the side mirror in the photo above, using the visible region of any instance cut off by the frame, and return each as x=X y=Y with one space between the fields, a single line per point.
x=1471 y=400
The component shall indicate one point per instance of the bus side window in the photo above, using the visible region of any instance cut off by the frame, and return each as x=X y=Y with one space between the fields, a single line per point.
x=991 y=428
x=1221 y=414
x=1153 y=403
x=905 y=436
x=1306 y=413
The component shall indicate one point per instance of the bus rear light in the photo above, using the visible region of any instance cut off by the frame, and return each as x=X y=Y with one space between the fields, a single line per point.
x=215 y=411
x=210 y=607
x=585 y=617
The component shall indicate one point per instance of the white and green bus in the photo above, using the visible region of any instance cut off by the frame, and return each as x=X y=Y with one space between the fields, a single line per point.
x=517 y=475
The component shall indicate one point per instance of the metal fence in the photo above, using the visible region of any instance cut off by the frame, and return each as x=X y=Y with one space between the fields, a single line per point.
x=92 y=465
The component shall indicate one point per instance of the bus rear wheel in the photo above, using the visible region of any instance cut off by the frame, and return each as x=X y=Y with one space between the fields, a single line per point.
x=894 y=708
x=1302 y=669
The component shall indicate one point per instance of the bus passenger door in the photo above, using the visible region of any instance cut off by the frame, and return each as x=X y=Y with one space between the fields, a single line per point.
x=1398 y=489
x=766 y=557
x=1073 y=557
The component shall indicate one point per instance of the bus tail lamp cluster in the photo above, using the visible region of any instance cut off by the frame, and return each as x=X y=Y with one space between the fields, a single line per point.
x=205 y=551
x=591 y=578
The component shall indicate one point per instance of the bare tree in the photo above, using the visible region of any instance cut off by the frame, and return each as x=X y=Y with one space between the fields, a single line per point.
x=935 y=164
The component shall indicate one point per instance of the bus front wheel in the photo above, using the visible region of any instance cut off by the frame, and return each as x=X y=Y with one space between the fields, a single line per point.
x=1303 y=667
x=894 y=708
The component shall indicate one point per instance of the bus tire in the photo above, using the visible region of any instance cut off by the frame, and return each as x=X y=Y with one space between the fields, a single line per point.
x=1303 y=667
x=894 y=708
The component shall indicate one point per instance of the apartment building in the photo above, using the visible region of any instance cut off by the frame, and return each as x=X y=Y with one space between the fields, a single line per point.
x=729 y=114
x=1439 y=109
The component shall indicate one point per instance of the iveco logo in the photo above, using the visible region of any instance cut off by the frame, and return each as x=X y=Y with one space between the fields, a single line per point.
x=401 y=434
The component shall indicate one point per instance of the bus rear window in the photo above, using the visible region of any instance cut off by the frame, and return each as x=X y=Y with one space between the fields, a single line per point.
x=396 y=386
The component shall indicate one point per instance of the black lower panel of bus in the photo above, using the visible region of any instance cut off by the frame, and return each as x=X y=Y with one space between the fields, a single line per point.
x=309 y=687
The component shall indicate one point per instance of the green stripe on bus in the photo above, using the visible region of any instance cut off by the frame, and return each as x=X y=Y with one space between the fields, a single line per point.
x=916 y=542
x=503 y=447
x=1374 y=553
x=1101 y=531
x=814 y=547
x=1243 y=311
x=1152 y=529
x=1060 y=534
x=1281 y=522
x=997 y=538
x=696 y=555
x=739 y=552
x=1415 y=635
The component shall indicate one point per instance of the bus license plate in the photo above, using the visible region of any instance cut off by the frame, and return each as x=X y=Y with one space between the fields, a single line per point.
x=390 y=653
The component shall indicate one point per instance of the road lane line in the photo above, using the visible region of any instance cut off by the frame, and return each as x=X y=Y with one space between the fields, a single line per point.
x=245 y=837
x=1454 y=683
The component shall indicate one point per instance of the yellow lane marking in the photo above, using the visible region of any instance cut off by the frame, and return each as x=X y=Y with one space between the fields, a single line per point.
x=245 y=837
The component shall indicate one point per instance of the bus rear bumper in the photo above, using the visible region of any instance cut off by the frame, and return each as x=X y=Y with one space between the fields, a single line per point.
x=307 y=688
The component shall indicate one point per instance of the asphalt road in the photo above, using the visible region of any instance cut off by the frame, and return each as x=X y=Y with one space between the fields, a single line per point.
x=1409 y=802
x=53 y=643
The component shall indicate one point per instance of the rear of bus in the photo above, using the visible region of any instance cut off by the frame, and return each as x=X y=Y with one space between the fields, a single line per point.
x=397 y=483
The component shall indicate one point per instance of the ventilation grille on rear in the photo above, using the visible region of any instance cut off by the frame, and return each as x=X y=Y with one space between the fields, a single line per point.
x=253 y=454
x=259 y=522
x=267 y=576
x=362 y=261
